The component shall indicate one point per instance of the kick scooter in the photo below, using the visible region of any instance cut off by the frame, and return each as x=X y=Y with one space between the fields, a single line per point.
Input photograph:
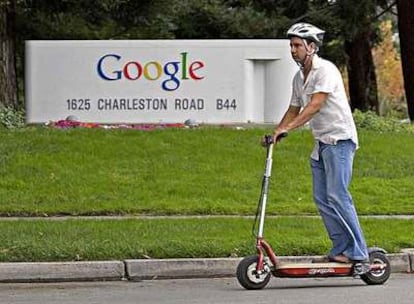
x=254 y=272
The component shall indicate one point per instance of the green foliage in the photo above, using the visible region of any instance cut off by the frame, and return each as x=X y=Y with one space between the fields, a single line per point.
x=229 y=20
x=74 y=19
x=11 y=118
x=371 y=121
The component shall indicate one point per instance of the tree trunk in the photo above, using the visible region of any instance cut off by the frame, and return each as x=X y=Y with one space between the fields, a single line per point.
x=361 y=73
x=406 y=30
x=8 y=79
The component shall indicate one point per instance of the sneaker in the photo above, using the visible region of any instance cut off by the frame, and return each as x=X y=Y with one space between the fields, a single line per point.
x=324 y=259
x=339 y=259
x=332 y=259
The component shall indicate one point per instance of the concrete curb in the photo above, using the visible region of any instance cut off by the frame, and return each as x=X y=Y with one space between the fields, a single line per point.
x=136 y=270
x=400 y=262
x=410 y=253
x=62 y=271
x=180 y=268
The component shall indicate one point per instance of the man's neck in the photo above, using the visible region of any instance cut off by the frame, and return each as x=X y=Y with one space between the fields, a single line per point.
x=307 y=67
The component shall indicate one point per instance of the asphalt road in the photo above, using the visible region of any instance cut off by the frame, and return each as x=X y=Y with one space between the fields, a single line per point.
x=398 y=289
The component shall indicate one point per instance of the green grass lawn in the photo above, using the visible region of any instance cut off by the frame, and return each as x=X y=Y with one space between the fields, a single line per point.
x=205 y=171
x=187 y=171
x=80 y=239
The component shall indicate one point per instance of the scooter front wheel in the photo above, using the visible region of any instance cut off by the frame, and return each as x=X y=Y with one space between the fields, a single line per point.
x=380 y=276
x=247 y=274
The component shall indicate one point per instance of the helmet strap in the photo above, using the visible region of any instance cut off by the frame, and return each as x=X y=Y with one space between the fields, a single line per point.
x=309 y=53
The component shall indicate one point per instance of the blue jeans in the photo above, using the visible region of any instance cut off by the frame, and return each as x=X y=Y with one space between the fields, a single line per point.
x=331 y=177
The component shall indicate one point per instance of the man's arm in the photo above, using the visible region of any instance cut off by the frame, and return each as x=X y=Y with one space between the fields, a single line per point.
x=291 y=113
x=293 y=119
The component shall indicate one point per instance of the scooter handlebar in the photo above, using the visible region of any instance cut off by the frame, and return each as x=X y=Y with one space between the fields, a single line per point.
x=270 y=139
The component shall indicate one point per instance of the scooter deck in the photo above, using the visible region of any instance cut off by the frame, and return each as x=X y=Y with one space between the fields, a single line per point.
x=313 y=265
x=313 y=269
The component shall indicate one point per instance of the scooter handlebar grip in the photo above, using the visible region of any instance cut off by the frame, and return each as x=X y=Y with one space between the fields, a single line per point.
x=269 y=139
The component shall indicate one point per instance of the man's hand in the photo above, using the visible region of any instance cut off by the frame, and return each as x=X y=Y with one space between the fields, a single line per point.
x=278 y=134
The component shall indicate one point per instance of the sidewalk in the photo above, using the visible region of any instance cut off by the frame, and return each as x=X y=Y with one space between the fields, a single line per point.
x=135 y=270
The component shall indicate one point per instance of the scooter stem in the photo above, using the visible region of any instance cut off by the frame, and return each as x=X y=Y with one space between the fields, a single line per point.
x=265 y=188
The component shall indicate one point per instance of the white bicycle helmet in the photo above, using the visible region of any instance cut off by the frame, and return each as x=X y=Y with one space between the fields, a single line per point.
x=306 y=31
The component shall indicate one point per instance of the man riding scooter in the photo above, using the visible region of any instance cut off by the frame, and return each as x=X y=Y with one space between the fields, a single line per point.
x=319 y=97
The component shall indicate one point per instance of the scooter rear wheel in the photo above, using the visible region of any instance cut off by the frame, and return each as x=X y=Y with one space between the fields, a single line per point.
x=248 y=276
x=377 y=277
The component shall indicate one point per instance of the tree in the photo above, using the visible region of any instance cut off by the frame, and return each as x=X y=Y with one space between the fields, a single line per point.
x=93 y=19
x=358 y=25
x=406 y=30
x=389 y=73
x=361 y=72
x=8 y=79
x=225 y=19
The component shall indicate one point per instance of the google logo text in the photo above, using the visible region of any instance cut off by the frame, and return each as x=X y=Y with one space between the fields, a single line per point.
x=113 y=67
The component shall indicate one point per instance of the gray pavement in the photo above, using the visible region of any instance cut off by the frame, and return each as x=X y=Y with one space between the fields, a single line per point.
x=398 y=289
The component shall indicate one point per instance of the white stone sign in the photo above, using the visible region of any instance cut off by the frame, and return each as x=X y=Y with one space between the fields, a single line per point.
x=158 y=81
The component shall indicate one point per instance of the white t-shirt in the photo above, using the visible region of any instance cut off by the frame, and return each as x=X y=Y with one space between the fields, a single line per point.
x=334 y=121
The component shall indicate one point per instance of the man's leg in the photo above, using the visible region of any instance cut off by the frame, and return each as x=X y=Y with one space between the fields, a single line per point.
x=333 y=224
x=337 y=160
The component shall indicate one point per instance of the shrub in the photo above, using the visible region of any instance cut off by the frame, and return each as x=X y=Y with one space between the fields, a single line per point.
x=371 y=121
x=11 y=118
